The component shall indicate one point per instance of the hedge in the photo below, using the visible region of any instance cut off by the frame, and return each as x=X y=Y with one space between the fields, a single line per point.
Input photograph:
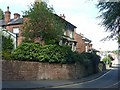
x=36 y=52
x=51 y=54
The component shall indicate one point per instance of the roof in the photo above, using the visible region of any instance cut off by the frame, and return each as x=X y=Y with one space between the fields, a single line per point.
x=69 y=39
x=68 y=23
x=16 y=21
x=86 y=39
x=20 y=21
x=95 y=50
x=12 y=22
x=2 y=22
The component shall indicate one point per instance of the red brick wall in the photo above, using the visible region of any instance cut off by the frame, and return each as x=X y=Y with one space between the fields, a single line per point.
x=80 y=47
x=7 y=15
x=10 y=28
x=20 y=70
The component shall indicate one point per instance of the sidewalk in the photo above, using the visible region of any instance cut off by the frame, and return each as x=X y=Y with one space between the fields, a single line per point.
x=47 y=83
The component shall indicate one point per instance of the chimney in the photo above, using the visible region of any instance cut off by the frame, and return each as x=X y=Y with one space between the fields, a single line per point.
x=7 y=15
x=62 y=16
x=16 y=15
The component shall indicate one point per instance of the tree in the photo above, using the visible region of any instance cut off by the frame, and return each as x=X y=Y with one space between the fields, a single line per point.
x=110 y=11
x=42 y=23
x=1 y=14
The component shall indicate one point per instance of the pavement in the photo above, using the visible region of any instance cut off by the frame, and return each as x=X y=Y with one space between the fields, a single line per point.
x=47 y=83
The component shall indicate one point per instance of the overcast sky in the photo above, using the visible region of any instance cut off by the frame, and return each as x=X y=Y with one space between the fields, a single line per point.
x=81 y=13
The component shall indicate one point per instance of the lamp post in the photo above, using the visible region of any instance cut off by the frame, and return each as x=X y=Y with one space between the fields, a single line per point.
x=16 y=32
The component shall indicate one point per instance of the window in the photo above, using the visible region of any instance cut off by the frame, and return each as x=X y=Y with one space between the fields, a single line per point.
x=71 y=34
x=15 y=30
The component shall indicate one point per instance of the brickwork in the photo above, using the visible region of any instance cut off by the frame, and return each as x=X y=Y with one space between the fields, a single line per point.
x=80 y=47
x=7 y=16
x=10 y=28
x=20 y=70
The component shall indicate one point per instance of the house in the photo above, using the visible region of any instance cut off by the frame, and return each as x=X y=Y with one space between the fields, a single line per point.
x=15 y=25
x=83 y=43
x=12 y=24
x=68 y=37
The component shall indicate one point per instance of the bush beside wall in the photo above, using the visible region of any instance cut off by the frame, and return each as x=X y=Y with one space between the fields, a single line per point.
x=52 y=54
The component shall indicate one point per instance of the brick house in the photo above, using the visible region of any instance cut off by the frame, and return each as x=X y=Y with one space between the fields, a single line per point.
x=83 y=43
x=12 y=24
x=77 y=42
x=17 y=24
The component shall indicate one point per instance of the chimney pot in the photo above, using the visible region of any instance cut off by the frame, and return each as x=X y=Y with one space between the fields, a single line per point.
x=7 y=8
x=7 y=15
x=62 y=16
x=16 y=15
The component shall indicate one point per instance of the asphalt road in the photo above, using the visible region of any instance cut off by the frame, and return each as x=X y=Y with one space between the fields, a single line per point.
x=110 y=79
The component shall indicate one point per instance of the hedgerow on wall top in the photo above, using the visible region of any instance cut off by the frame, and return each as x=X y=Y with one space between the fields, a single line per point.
x=51 y=54
x=36 y=52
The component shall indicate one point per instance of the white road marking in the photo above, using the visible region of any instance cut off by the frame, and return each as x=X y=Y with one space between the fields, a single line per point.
x=82 y=82
x=112 y=85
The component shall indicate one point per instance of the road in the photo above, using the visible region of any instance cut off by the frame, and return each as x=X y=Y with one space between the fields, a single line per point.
x=110 y=79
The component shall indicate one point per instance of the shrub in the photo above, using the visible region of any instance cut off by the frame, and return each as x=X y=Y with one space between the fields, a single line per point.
x=36 y=52
x=6 y=55
x=106 y=60
x=50 y=53
x=91 y=59
x=7 y=47
x=26 y=51
x=7 y=43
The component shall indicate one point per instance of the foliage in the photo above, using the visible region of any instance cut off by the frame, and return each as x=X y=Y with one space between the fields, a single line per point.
x=7 y=43
x=1 y=14
x=7 y=47
x=6 y=55
x=116 y=51
x=110 y=11
x=36 y=52
x=106 y=60
x=50 y=53
x=26 y=51
x=89 y=60
x=42 y=23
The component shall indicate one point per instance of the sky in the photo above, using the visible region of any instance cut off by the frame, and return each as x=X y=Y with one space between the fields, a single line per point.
x=81 y=13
